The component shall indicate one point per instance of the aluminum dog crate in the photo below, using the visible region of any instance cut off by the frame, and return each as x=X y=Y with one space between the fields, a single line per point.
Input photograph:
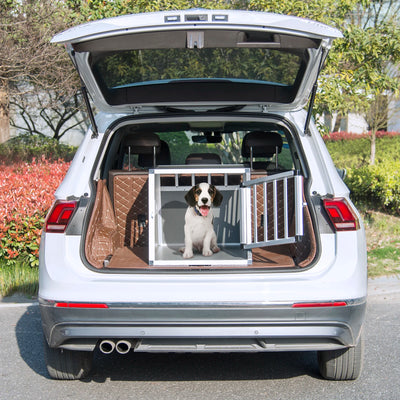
x=252 y=210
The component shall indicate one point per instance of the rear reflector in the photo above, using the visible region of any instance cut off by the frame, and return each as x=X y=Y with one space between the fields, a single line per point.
x=81 y=305
x=326 y=304
x=341 y=214
x=59 y=216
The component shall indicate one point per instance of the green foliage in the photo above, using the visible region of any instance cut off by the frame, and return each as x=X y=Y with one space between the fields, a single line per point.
x=29 y=147
x=331 y=12
x=97 y=9
x=355 y=153
x=20 y=239
x=376 y=186
x=177 y=142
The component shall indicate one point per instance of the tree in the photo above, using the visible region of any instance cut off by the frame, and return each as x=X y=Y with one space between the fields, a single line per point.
x=27 y=59
x=48 y=110
x=362 y=71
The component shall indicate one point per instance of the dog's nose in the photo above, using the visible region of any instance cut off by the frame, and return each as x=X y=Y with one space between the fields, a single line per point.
x=204 y=200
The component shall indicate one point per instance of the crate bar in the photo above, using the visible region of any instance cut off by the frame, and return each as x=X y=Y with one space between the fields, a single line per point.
x=270 y=178
x=152 y=216
x=255 y=235
x=245 y=214
x=157 y=199
x=270 y=243
x=202 y=170
x=265 y=207
x=285 y=208
x=298 y=193
x=275 y=200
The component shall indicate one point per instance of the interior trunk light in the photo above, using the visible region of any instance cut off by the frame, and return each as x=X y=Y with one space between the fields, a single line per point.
x=341 y=214
x=59 y=216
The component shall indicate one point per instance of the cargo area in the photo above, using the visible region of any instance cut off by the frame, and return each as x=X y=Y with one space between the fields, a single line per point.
x=138 y=216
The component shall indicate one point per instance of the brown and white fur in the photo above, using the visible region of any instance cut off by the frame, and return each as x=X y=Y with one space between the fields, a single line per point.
x=199 y=231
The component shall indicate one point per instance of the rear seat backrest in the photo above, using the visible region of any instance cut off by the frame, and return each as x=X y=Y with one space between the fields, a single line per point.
x=145 y=144
x=163 y=157
x=262 y=145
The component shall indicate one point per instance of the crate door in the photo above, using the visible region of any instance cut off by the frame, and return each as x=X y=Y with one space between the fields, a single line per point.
x=272 y=210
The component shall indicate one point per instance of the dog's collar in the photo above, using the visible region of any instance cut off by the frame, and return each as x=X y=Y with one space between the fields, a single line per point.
x=197 y=211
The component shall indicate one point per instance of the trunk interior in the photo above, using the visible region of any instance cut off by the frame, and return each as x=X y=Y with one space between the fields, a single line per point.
x=138 y=217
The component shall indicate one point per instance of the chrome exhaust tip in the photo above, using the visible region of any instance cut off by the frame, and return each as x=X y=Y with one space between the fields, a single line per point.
x=107 y=346
x=123 y=346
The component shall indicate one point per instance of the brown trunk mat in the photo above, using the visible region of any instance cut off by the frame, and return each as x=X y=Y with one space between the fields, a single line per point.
x=118 y=228
x=136 y=258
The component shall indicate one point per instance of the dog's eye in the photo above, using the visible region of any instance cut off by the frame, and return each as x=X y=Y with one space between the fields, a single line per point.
x=211 y=191
x=198 y=191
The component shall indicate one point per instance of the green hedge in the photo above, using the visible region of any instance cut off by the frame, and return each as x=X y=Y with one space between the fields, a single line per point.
x=25 y=148
x=375 y=186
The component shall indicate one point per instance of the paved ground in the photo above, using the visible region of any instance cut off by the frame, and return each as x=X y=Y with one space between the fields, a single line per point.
x=272 y=376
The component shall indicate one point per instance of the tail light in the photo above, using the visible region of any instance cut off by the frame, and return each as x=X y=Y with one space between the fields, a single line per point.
x=325 y=304
x=59 y=216
x=341 y=214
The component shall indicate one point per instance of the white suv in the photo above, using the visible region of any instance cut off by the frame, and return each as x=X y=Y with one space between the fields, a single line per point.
x=185 y=97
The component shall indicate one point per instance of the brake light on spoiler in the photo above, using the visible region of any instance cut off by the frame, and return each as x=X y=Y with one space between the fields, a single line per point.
x=59 y=216
x=341 y=214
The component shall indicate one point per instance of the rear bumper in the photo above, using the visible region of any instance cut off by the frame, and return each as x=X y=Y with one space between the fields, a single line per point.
x=205 y=328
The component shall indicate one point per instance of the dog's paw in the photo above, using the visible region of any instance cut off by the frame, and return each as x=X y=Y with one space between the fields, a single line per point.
x=188 y=254
x=207 y=253
x=215 y=249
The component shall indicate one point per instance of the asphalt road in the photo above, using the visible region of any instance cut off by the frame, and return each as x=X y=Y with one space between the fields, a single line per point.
x=292 y=376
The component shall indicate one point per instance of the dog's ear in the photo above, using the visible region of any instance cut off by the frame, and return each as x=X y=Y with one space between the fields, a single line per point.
x=189 y=197
x=217 y=200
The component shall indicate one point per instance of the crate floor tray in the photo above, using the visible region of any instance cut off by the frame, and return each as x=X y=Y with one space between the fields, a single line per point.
x=228 y=255
x=136 y=258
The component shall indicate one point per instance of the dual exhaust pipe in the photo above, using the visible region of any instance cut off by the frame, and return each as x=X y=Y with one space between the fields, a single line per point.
x=107 y=346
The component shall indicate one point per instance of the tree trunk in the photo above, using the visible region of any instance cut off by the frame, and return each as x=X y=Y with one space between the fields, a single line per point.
x=4 y=114
x=373 y=147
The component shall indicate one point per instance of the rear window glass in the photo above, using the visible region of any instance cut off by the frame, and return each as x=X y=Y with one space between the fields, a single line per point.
x=153 y=66
x=183 y=145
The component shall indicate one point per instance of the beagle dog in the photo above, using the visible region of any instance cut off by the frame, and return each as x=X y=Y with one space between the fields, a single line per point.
x=199 y=231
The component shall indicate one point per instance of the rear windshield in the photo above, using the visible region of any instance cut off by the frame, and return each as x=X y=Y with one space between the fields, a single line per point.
x=191 y=147
x=153 y=66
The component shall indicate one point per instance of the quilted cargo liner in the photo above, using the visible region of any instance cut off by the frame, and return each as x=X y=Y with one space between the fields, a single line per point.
x=118 y=229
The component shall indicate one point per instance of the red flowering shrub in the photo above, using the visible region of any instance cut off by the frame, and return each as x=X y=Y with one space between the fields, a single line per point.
x=26 y=193
x=342 y=135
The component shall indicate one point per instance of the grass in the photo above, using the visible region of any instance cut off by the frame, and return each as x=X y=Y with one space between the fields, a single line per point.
x=20 y=278
x=383 y=245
